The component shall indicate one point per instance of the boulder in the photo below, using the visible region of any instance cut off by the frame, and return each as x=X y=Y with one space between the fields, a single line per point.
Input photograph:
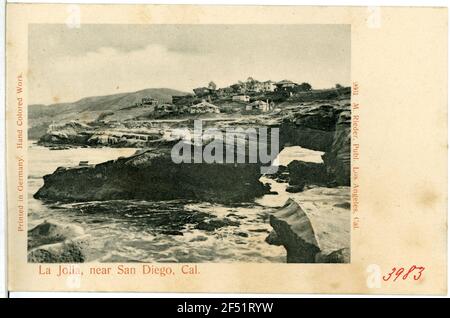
x=50 y=242
x=71 y=251
x=306 y=173
x=52 y=232
x=293 y=230
x=295 y=188
x=313 y=235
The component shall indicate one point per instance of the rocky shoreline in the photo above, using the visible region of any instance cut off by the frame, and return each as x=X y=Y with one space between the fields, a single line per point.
x=309 y=235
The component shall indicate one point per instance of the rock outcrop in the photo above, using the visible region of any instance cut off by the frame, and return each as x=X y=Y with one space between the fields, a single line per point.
x=309 y=127
x=338 y=160
x=98 y=134
x=307 y=173
x=70 y=133
x=311 y=235
x=152 y=175
x=50 y=242
x=51 y=232
x=293 y=230
x=321 y=127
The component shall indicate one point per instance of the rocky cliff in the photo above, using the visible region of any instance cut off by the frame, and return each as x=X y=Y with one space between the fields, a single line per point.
x=98 y=134
x=337 y=159
x=322 y=127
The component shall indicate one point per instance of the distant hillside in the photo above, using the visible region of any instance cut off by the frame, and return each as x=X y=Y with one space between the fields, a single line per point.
x=89 y=108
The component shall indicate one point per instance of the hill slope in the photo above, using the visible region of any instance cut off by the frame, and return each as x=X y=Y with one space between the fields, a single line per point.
x=89 y=108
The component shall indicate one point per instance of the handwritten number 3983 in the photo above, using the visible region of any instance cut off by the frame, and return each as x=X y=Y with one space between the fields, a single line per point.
x=415 y=271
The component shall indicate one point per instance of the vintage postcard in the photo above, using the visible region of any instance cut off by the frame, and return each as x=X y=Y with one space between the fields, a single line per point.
x=243 y=149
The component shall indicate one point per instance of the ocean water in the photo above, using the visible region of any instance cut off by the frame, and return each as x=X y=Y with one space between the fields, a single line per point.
x=161 y=231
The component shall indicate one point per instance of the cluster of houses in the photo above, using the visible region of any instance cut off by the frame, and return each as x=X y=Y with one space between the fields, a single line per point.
x=204 y=106
x=252 y=94
x=251 y=87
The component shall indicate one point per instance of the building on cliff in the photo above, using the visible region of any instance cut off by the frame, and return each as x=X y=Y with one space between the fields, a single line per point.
x=268 y=86
x=147 y=102
x=285 y=86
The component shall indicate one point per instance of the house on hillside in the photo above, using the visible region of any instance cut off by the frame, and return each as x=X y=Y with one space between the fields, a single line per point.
x=203 y=108
x=268 y=86
x=241 y=98
x=285 y=85
x=149 y=102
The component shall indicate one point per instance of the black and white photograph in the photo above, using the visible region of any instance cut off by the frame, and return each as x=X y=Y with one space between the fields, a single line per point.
x=168 y=143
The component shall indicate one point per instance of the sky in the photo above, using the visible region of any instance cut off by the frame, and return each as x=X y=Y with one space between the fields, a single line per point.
x=67 y=64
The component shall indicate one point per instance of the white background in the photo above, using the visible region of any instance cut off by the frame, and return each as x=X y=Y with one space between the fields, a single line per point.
x=3 y=284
